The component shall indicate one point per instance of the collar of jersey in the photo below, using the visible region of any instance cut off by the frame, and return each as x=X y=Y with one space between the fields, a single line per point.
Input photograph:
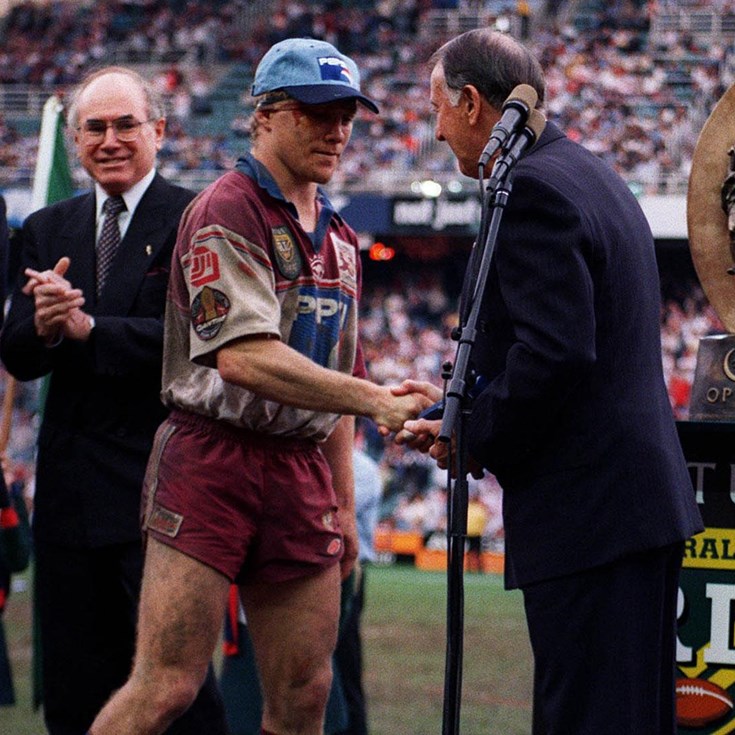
x=253 y=168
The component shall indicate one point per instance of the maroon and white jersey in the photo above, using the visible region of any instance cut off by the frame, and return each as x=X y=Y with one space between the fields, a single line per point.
x=244 y=266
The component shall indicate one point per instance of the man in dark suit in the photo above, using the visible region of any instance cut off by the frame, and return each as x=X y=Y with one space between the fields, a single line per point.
x=574 y=418
x=4 y=255
x=88 y=312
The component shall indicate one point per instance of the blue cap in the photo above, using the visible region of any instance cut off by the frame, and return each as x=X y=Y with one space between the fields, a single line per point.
x=310 y=71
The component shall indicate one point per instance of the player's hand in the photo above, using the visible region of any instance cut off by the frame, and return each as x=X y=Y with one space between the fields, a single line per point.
x=7 y=468
x=432 y=392
x=395 y=410
x=423 y=438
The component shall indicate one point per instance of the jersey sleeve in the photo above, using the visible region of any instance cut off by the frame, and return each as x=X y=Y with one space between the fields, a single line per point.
x=230 y=282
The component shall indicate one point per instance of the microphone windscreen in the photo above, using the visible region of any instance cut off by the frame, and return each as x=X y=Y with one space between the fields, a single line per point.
x=524 y=93
x=536 y=123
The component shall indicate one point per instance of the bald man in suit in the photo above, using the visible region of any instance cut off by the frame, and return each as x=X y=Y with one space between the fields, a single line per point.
x=88 y=312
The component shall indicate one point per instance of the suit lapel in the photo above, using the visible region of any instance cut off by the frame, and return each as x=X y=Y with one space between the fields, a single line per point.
x=77 y=240
x=146 y=235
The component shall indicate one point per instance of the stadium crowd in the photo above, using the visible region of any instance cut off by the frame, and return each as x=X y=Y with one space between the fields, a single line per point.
x=634 y=100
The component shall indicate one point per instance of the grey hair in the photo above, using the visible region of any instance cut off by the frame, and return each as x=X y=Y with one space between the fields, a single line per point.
x=492 y=62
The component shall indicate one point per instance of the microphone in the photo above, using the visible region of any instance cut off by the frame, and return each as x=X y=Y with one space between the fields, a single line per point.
x=518 y=146
x=516 y=109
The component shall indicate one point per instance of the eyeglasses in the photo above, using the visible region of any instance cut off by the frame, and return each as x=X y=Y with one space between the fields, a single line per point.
x=326 y=114
x=126 y=129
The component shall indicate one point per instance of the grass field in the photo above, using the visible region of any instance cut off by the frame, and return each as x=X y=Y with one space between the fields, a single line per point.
x=404 y=636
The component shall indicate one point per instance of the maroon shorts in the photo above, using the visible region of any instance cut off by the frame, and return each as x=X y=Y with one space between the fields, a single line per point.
x=252 y=506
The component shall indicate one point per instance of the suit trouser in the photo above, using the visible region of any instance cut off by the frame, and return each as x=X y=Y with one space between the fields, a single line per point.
x=87 y=601
x=604 y=645
x=348 y=656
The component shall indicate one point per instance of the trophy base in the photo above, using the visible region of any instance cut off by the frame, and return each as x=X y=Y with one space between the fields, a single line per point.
x=713 y=388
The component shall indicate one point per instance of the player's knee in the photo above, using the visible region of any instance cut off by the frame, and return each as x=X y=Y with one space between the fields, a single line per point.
x=182 y=692
x=173 y=694
x=315 y=694
x=301 y=702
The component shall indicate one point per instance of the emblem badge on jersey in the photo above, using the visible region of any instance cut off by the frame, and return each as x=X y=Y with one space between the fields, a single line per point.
x=288 y=257
x=347 y=262
x=208 y=312
x=317 y=267
x=164 y=521
x=204 y=265
x=335 y=546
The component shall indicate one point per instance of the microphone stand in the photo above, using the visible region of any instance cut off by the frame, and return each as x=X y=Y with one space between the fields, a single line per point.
x=457 y=408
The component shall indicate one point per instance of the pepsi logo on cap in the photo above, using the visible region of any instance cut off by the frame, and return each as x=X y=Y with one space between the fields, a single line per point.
x=333 y=68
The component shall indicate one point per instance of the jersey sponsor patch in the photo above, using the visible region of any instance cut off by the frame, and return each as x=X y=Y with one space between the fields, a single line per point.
x=164 y=521
x=208 y=312
x=203 y=264
x=319 y=319
x=288 y=257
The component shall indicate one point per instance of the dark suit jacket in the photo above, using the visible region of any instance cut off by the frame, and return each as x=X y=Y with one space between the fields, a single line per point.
x=4 y=255
x=576 y=422
x=103 y=404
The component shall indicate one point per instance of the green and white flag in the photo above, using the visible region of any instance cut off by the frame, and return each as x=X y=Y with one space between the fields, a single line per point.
x=51 y=182
x=52 y=179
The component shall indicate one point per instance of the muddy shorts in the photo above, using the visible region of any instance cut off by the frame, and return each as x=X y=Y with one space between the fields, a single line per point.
x=256 y=508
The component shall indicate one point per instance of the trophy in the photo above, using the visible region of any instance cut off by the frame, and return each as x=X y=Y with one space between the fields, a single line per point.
x=711 y=230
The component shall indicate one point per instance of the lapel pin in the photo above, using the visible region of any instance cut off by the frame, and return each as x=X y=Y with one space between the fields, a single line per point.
x=148 y=249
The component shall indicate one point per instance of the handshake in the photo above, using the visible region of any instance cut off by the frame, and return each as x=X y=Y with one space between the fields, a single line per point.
x=420 y=430
x=417 y=415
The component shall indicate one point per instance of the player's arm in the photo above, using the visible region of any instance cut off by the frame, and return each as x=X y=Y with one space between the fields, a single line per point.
x=266 y=366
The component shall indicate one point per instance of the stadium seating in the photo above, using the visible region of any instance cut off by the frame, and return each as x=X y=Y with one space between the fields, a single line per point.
x=607 y=63
x=632 y=81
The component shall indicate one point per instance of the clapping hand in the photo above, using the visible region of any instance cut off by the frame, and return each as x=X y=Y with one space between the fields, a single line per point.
x=58 y=304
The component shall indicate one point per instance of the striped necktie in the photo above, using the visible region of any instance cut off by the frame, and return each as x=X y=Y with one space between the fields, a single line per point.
x=109 y=238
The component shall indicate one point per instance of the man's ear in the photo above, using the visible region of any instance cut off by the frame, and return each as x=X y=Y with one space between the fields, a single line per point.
x=472 y=101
